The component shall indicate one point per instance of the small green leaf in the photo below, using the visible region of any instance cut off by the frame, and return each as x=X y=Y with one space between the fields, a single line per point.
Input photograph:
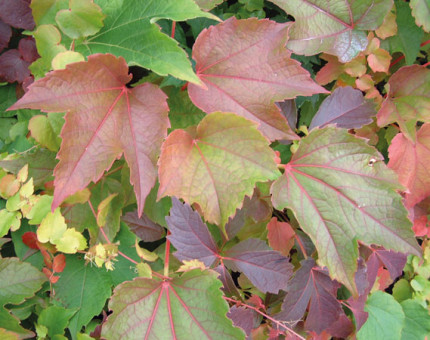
x=62 y=59
x=55 y=319
x=52 y=227
x=83 y=18
x=71 y=241
x=46 y=130
x=9 y=220
x=386 y=318
x=421 y=12
x=417 y=321
x=44 y=11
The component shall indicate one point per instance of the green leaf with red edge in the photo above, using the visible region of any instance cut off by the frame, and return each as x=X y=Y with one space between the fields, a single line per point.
x=246 y=69
x=216 y=164
x=411 y=161
x=104 y=120
x=188 y=307
x=18 y=281
x=408 y=100
x=421 y=12
x=341 y=191
x=336 y=27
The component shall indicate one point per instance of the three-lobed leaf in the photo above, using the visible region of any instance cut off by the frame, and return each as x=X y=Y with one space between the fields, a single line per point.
x=190 y=306
x=246 y=68
x=341 y=191
x=104 y=120
x=215 y=164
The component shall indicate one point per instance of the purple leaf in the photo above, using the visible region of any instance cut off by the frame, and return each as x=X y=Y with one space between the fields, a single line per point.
x=311 y=286
x=229 y=288
x=289 y=110
x=357 y=308
x=341 y=328
x=13 y=67
x=190 y=236
x=393 y=261
x=267 y=269
x=17 y=13
x=28 y=50
x=242 y=317
x=345 y=107
x=5 y=34
x=143 y=227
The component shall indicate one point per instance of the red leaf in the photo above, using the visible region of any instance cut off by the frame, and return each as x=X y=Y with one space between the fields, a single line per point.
x=30 y=240
x=267 y=269
x=13 y=67
x=421 y=226
x=311 y=286
x=47 y=272
x=280 y=236
x=59 y=263
x=17 y=13
x=346 y=108
x=143 y=227
x=411 y=161
x=104 y=120
x=246 y=69
x=189 y=235
x=5 y=34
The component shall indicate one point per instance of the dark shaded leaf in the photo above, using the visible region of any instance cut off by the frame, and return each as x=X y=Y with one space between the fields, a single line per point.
x=267 y=269
x=5 y=34
x=13 y=67
x=143 y=227
x=311 y=286
x=189 y=235
x=242 y=317
x=229 y=288
x=346 y=108
x=17 y=13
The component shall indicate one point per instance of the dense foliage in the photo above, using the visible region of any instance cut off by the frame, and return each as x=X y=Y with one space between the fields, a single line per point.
x=192 y=169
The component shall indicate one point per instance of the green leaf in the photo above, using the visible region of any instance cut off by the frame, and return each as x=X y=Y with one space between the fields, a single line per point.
x=7 y=98
x=129 y=32
x=46 y=130
x=177 y=309
x=44 y=11
x=71 y=241
x=417 y=321
x=207 y=5
x=216 y=164
x=385 y=319
x=336 y=27
x=9 y=220
x=55 y=319
x=52 y=227
x=409 y=35
x=62 y=59
x=83 y=18
x=421 y=12
x=84 y=288
x=18 y=281
x=341 y=191
x=48 y=40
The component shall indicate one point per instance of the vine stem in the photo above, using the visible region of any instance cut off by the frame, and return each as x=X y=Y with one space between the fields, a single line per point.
x=394 y=62
x=120 y=252
x=240 y=303
x=302 y=247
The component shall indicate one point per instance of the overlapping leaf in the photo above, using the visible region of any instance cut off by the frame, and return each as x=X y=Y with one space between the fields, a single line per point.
x=189 y=307
x=143 y=227
x=129 y=32
x=411 y=161
x=215 y=164
x=18 y=281
x=345 y=107
x=340 y=190
x=408 y=99
x=336 y=27
x=189 y=235
x=104 y=120
x=267 y=269
x=421 y=12
x=311 y=286
x=246 y=68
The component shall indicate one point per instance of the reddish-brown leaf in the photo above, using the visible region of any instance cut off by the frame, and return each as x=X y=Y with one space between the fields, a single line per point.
x=5 y=34
x=143 y=227
x=246 y=69
x=280 y=236
x=411 y=161
x=59 y=263
x=104 y=120
x=17 y=13
x=30 y=239
x=13 y=67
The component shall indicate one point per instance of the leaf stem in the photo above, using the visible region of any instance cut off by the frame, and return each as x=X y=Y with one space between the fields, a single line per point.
x=166 y=257
x=173 y=29
x=240 y=303
x=394 y=62
x=114 y=170
x=302 y=247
